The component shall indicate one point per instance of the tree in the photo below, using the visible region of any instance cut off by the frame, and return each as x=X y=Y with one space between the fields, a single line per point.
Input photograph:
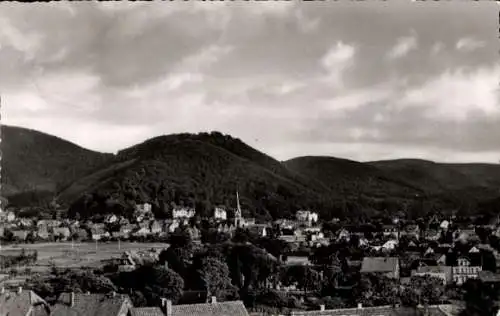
x=68 y=281
x=154 y=282
x=479 y=299
x=423 y=290
x=213 y=277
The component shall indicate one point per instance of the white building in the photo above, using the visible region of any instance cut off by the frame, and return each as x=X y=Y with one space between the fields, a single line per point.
x=183 y=212
x=464 y=271
x=307 y=216
x=220 y=214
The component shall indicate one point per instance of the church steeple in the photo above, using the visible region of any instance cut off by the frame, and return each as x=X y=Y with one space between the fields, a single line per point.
x=237 y=213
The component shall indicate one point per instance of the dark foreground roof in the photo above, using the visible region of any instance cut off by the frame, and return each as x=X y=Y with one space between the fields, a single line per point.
x=234 y=308
x=22 y=302
x=379 y=264
x=375 y=311
x=146 y=311
x=90 y=304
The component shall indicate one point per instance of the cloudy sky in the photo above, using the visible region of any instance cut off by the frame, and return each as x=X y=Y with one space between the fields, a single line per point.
x=362 y=80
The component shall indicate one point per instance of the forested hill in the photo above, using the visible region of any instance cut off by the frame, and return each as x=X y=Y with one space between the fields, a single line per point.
x=34 y=162
x=204 y=170
x=201 y=170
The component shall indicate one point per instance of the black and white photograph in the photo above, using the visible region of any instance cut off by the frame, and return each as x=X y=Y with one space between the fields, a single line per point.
x=250 y=158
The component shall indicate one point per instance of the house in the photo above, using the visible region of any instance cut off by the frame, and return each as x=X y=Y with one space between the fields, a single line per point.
x=474 y=249
x=43 y=232
x=390 y=245
x=92 y=304
x=127 y=229
x=220 y=214
x=25 y=222
x=306 y=217
x=98 y=233
x=390 y=230
x=411 y=230
x=259 y=229
x=464 y=271
x=22 y=303
x=156 y=227
x=143 y=208
x=142 y=231
x=343 y=234
x=433 y=234
x=110 y=219
x=214 y=308
x=61 y=232
x=20 y=234
x=249 y=221
x=10 y=217
x=183 y=212
x=194 y=233
x=296 y=260
x=49 y=223
x=441 y=272
x=388 y=266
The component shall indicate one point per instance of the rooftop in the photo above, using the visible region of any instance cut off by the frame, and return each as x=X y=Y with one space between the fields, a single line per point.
x=146 y=311
x=379 y=264
x=233 y=308
x=375 y=311
x=89 y=304
x=21 y=302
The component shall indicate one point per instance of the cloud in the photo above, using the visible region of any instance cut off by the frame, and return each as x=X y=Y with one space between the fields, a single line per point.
x=403 y=46
x=358 y=98
x=455 y=94
x=290 y=75
x=306 y=24
x=437 y=47
x=338 y=59
x=468 y=44
x=25 y=42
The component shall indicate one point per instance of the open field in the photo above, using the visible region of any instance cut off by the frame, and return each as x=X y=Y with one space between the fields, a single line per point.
x=76 y=255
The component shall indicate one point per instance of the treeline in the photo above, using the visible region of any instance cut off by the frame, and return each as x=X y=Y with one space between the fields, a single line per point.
x=7 y=261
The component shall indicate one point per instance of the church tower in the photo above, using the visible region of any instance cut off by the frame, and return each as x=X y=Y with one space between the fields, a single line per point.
x=238 y=220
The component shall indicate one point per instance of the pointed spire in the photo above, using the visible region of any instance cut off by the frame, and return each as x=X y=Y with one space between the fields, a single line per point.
x=238 y=206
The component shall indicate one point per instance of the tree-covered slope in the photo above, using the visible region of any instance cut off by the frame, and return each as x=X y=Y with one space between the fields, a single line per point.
x=200 y=170
x=34 y=162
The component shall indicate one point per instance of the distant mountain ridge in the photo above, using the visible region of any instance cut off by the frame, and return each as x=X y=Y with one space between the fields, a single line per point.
x=206 y=169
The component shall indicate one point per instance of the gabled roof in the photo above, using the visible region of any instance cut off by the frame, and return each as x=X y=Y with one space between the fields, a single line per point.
x=373 y=311
x=146 y=311
x=19 y=304
x=379 y=264
x=234 y=308
x=90 y=304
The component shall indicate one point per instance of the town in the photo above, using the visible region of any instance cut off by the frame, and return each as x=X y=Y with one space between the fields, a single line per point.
x=249 y=158
x=229 y=263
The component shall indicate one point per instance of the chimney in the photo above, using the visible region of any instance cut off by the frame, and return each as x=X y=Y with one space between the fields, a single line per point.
x=72 y=299
x=360 y=306
x=19 y=290
x=322 y=307
x=214 y=299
